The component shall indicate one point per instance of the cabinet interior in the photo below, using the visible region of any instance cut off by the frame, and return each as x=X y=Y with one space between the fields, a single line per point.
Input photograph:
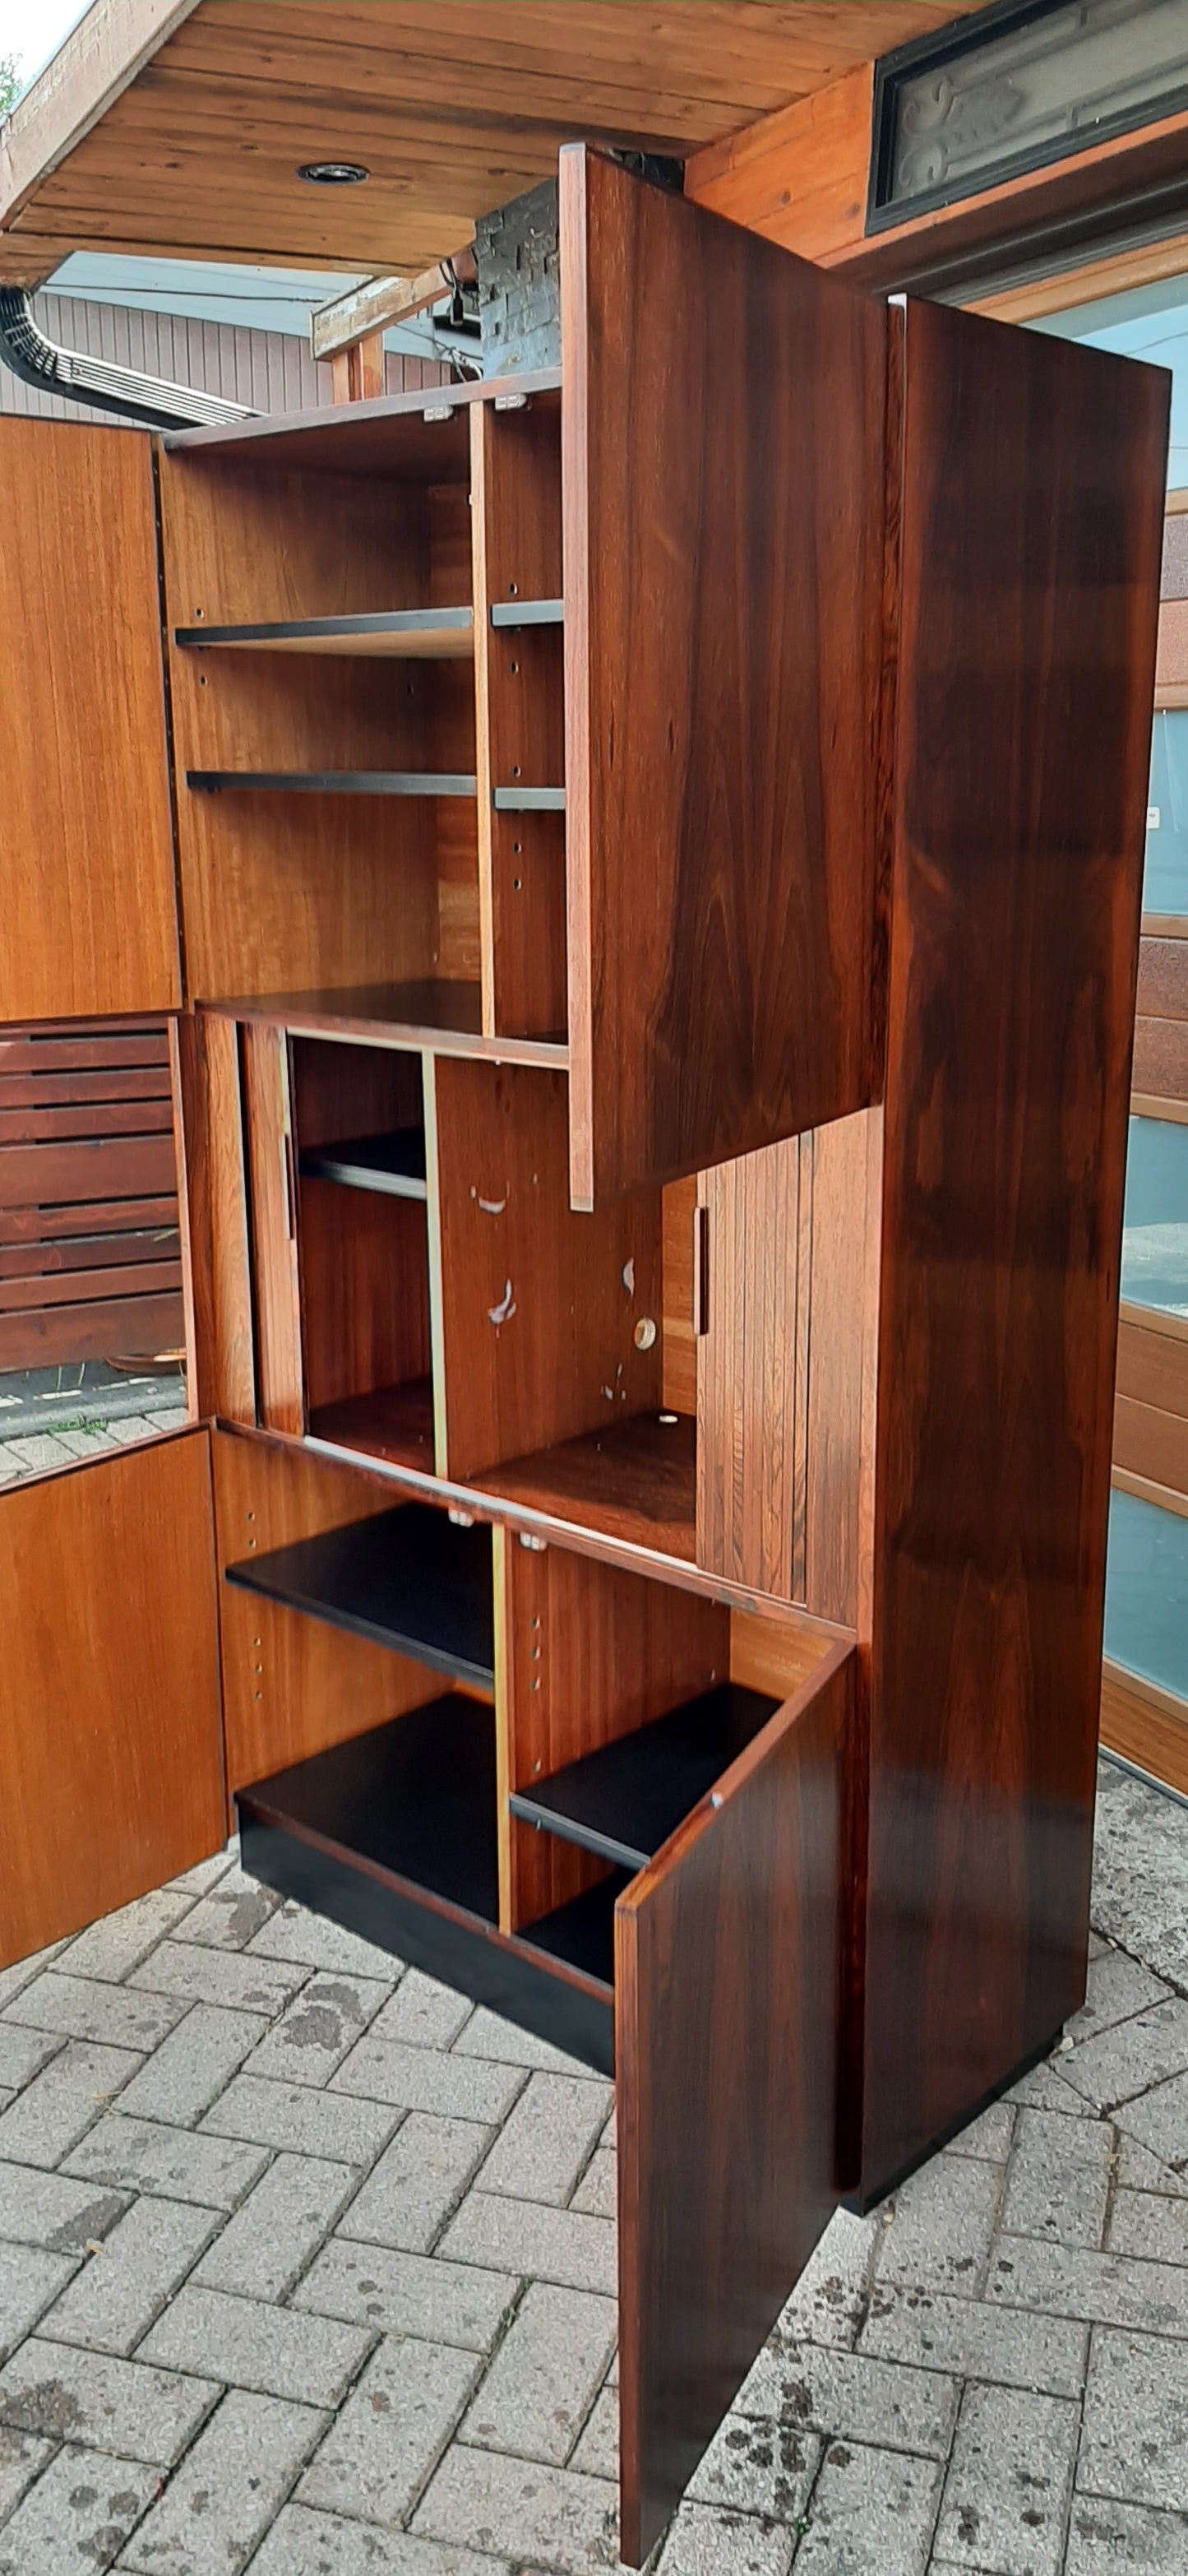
x=370 y=772
x=587 y=1712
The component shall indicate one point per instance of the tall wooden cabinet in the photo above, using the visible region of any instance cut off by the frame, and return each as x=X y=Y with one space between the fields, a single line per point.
x=656 y=856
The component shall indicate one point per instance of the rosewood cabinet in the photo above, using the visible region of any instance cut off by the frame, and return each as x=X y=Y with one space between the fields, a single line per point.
x=644 y=864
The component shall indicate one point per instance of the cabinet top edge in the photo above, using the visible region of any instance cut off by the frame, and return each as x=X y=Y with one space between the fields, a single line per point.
x=334 y=433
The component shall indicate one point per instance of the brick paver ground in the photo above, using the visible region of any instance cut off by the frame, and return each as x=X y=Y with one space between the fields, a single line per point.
x=307 y=2267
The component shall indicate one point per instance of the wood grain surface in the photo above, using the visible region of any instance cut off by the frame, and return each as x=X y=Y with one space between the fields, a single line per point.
x=213 y=1176
x=723 y=570
x=1030 y=588
x=516 y=510
x=111 y=1757
x=86 y=859
x=280 y=1374
x=540 y=1306
x=583 y=1655
x=726 y=2017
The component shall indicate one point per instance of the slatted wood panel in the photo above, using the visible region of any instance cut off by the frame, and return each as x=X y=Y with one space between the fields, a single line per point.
x=454 y=106
x=271 y=370
x=90 y=1252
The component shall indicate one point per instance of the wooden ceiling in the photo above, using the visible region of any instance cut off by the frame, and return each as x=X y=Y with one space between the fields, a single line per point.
x=178 y=126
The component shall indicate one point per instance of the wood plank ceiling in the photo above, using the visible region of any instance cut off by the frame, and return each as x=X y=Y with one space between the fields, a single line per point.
x=179 y=126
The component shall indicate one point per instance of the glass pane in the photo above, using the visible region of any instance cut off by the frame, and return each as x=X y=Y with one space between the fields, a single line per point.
x=91 y=1318
x=1155 y=1216
x=1165 y=881
x=1146 y=1619
x=1032 y=91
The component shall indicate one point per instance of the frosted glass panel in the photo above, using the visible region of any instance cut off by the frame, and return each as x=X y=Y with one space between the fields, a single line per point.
x=982 y=103
x=1155 y=1217
x=1146 y=1619
x=1165 y=880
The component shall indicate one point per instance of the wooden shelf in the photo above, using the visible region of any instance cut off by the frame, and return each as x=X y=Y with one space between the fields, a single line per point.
x=442 y=1016
x=529 y=800
x=636 y=1481
x=332 y=782
x=390 y=1422
x=528 y=612
x=625 y=1800
x=430 y=634
x=393 y=1835
x=394 y=1165
x=407 y=1578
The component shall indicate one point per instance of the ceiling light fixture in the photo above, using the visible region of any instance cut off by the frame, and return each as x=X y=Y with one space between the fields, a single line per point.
x=334 y=174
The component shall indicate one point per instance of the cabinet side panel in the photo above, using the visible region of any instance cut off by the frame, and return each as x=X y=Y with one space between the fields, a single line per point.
x=723 y=422
x=1030 y=588
x=842 y=1335
x=274 y=1223
x=292 y=1685
x=213 y=1186
x=111 y=1767
x=86 y=857
x=747 y=1379
x=725 y=2010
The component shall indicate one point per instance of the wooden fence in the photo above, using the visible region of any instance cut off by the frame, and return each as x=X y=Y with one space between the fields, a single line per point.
x=90 y=1254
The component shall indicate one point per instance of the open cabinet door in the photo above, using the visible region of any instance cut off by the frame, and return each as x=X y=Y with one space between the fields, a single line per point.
x=86 y=854
x=727 y=1991
x=111 y=1750
x=723 y=426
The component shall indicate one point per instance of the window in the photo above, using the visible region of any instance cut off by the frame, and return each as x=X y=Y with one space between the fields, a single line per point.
x=1014 y=88
x=1165 y=879
x=1155 y=1217
x=1146 y=1619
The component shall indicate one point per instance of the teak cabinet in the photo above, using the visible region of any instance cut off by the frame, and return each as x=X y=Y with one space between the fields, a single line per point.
x=645 y=869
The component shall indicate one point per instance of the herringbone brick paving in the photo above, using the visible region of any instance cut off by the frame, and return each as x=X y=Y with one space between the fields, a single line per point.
x=308 y=2268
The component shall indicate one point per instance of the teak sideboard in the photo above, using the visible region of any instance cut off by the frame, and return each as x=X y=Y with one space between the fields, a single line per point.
x=643 y=868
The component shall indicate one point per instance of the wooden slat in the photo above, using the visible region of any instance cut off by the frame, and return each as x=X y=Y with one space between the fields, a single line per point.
x=31 y=1053
x=73 y=1090
x=52 y=1289
x=726 y=1967
x=1151 y=1443
x=24 y=1126
x=824 y=140
x=1153 y=1366
x=48 y=1225
x=720 y=992
x=112 y=1167
x=119 y=1328
x=111 y=1758
x=77 y=1253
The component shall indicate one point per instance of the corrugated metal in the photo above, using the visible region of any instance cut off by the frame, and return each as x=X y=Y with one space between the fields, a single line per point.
x=271 y=370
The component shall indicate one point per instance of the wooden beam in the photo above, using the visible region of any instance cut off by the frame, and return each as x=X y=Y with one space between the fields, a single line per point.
x=98 y=61
x=382 y=301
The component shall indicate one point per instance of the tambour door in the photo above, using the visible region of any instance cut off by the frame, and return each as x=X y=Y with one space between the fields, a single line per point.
x=726 y=2019
x=723 y=431
x=86 y=854
x=111 y=1750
